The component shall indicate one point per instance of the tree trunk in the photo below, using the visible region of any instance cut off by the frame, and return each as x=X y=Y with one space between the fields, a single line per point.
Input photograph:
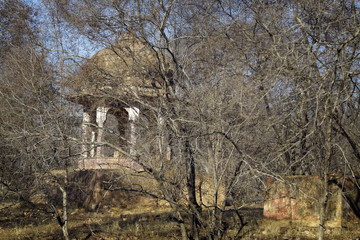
x=325 y=178
x=323 y=204
x=190 y=180
x=180 y=220
x=63 y=219
x=64 y=227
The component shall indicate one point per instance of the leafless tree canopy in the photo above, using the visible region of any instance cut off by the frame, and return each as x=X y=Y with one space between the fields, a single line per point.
x=231 y=92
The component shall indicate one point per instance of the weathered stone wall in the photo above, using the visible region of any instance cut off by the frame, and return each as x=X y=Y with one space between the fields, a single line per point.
x=297 y=199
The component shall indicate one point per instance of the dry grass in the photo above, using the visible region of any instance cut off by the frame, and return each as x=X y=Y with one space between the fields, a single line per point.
x=108 y=223
x=275 y=229
x=145 y=223
x=29 y=232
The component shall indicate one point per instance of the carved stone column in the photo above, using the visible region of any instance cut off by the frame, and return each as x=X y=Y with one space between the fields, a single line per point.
x=85 y=139
x=133 y=118
x=92 y=151
x=100 y=120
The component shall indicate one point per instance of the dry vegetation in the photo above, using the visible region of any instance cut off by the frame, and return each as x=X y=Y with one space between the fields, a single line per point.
x=207 y=97
x=151 y=222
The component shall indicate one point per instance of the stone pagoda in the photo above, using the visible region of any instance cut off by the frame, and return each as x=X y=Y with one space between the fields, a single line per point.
x=111 y=82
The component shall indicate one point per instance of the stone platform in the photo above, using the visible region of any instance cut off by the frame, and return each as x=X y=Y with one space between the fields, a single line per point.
x=108 y=163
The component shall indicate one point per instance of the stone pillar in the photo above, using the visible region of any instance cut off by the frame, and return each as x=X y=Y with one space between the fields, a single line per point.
x=92 y=151
x=133 y=118
x=100 y=120
x=85 y=139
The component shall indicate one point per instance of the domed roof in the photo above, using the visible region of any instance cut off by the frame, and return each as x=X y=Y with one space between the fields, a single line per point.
x=127 y=66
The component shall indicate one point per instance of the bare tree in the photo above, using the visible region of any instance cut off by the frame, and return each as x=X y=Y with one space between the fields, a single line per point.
x=221 y=91
x=37 y=123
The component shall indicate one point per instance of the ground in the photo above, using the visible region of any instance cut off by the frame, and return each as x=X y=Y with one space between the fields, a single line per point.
x=20 y=222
